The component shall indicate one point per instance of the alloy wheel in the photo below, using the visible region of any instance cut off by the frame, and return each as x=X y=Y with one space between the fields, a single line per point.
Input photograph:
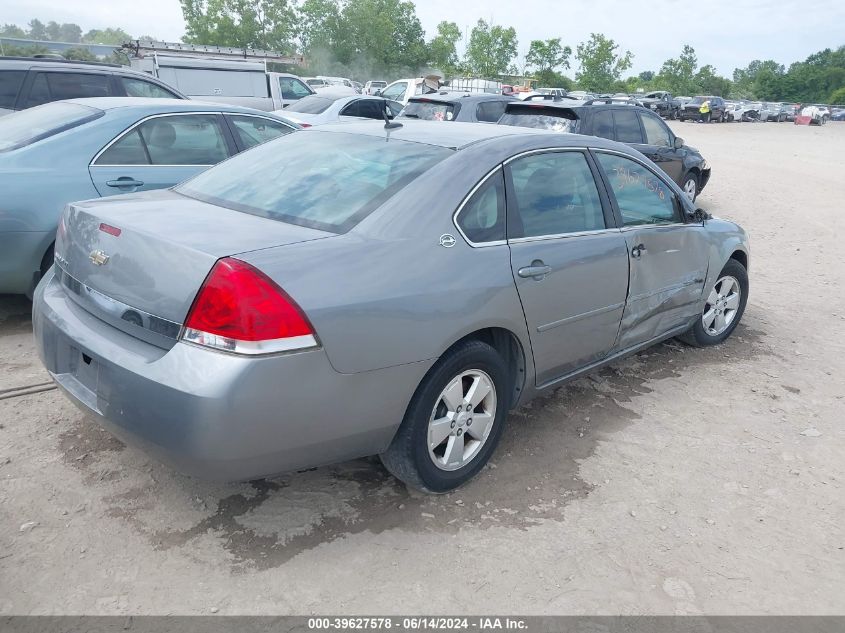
x=461 y=420
x=722 y=305
x=691 y=188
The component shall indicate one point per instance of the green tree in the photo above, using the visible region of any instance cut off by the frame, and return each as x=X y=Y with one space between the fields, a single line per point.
x=709 y=83
x=646 y=76
x=79 y=53
x=745 y=79
x=12 y=30
x=837 y=97
x=600 y=63
x=106 y=36
x=318 y=25
x=546 y=57
x=37 y=30
x=442 y=49
x=678 y=75
x=63 y=32
x=491 y=49
x=266 y=24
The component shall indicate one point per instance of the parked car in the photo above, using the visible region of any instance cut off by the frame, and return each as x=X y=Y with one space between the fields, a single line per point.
x=450 y=106
x=275 y=348
x=28 y=82
x=331 y=107
x=241 y=82
x=837 y=114
x=691 y=110
x=773 y=112
x=88 y=148
x=639 y=127
x=374 y=86
x=792 y=110
x=662 y=102
x=403 y=89
x=743 y=112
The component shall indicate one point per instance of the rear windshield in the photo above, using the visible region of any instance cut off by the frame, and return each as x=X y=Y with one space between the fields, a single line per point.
x=430 y=110
x=334 y=181
x=312 y=104
x=28 y=126
x=378 y=84
x=539 y=119
x=697 y=100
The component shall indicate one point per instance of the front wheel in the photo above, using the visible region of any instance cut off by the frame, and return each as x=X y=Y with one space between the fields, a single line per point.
x=454 y=420
x=723 y=308
x=690 y=186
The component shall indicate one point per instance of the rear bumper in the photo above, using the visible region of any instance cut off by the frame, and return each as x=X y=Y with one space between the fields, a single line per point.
x=214 y=415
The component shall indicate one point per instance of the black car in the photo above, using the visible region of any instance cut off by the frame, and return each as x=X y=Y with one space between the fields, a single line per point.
x=692 y=109
x=639 y=127
x=457 y=106
x=30 y=81
x=661 y=102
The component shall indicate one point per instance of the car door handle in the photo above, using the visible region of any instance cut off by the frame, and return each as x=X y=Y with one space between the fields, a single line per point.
x=538 y=270
x=125 y=182
x=638 y=251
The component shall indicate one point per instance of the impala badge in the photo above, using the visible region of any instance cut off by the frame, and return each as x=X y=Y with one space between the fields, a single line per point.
x=447 y=241
x=98 y=258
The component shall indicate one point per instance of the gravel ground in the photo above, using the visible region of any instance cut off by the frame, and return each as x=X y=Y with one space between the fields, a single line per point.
x=678 y=481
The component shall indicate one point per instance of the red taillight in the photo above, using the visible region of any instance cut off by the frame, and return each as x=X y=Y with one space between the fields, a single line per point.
x=304 y=125
x=240 y=309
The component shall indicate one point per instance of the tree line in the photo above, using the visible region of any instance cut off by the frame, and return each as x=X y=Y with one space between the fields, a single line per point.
x=384 y=39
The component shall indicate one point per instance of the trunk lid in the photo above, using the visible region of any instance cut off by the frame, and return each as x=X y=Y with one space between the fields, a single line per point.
x=137 y=261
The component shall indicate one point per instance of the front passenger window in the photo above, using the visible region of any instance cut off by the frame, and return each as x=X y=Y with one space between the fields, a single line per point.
x=643 y=198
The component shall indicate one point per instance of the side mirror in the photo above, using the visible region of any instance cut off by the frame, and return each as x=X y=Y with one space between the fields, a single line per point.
x=699 y=216
x=377 y=93
x=679 y=142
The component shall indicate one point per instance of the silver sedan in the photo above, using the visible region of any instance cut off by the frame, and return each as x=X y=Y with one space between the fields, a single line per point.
x=396 y=290
x=330 y=106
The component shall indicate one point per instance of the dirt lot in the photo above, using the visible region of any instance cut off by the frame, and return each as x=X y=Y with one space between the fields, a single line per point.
x=679 y=481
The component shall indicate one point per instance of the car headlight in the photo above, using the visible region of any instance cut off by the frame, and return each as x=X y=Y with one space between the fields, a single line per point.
x=705 y=165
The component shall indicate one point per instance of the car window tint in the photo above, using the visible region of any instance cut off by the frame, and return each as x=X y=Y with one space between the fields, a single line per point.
x=293 y=88
x=643 y=198
x=194 y=139
x=312 y=104
x=140 y=88
x=10 y=84
x=627 y=126
x=39 y=92
x=372 y=109
x=129 y=150
x=254 y=130
x=36 y=124
x=352 y=108
x=396 y=91
x=78 y=85
x=490 y=111
x=603 y=124
x=656 y=132
x=430 y=110
x=483 y=217
x=555 y=193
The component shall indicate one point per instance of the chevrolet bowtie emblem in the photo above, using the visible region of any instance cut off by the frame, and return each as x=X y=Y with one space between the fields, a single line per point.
x=98 y=258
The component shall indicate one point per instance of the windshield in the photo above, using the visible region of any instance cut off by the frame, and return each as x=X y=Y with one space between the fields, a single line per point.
x=335 y=180
x=28 y=126
x=430 y=110
x=697 y=100
x=312 y=104
x=378 y=84
x=540 y=119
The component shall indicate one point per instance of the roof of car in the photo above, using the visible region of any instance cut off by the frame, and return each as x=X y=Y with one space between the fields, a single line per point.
x=27 y=62
x=458 y=135
x=463 y=97
x=114 y=103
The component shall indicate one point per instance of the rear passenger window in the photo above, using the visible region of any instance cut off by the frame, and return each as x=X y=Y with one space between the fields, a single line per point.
x=656 y=132
x=627 y=126
x=141 y=88
x=555 y=193
x=603 y=124
x=78 y=85
x=490 y=111
x=39 y=92
x=10 y=84
x=194 y=139
x=643 y=198
x=129 y=150
x=483 y=217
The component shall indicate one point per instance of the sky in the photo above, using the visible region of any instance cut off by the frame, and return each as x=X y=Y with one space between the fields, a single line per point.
x=725 y=33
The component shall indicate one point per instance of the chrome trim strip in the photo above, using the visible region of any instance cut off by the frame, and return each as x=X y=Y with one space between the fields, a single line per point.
x=677 y=286
x=216 y=343
x=637 y=227
x=556 y=236
x=545 y=150
x=119 y=314
x=578 y=317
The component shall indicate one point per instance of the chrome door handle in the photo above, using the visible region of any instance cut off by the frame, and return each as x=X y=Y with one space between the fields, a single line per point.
x=125 y=182
x=537 y=270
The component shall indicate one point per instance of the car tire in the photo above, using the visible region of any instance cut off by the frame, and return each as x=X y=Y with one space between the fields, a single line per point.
x=47 y=260
x=690 y=185
x=411 y=456
x=723 y=303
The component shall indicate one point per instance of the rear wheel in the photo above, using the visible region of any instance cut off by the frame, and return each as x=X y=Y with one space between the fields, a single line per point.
x=454 y=420
x=47 y=260
x=723 y=308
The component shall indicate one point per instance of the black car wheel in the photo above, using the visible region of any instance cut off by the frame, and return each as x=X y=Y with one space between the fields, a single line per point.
x=723 y=307
x=454 y=420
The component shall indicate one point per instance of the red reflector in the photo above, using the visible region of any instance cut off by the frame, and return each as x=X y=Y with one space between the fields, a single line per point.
x=108 y=228
x=304 y=125
x=240 y=302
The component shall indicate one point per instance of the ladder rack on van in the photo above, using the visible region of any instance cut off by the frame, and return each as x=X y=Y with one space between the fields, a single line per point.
x=142 y=48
